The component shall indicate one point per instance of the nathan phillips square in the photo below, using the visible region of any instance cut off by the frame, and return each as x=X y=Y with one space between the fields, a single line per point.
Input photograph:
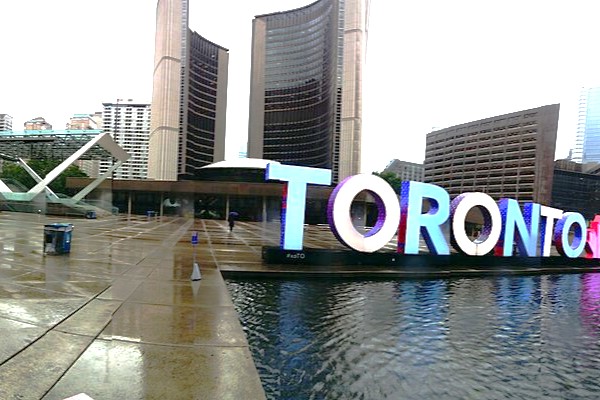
x=336 y=199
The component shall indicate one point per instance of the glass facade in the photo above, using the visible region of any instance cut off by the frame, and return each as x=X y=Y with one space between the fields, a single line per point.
x=591 y=136
x=576 y=192
x=306 y=86
x=197 y=127
x=302 y=67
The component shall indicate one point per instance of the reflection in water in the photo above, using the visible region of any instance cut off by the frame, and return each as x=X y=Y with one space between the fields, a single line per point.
x=590 y=304
x=486 y=338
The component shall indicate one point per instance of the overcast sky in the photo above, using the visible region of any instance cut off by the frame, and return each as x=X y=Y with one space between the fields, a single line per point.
x=430 y=64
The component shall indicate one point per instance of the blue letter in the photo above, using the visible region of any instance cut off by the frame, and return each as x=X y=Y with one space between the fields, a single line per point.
x=413 y=222
x=528 y=226
x=294 y=199
x=561 y=235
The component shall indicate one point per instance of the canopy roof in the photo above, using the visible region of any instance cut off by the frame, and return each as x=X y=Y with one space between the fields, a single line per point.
x=57 y=144
x=68 y=146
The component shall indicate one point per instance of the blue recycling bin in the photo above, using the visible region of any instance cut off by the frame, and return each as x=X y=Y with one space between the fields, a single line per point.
x=57 y=238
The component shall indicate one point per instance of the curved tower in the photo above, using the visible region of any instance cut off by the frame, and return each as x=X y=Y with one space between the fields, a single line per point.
x=305 y=94
x=189 y=98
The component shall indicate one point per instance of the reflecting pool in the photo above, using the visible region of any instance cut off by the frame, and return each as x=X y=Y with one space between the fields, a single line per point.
x=487 y=338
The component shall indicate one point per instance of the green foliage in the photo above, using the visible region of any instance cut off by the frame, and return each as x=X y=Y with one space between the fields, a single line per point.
x=391 y=178
x=13 y=171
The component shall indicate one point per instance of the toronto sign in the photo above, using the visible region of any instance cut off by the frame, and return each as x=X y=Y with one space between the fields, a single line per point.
x=506 y=225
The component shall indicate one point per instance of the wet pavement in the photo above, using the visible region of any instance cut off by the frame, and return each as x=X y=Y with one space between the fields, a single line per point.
x=119 y=317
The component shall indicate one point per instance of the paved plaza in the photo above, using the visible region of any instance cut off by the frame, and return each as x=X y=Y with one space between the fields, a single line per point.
x=119 y=317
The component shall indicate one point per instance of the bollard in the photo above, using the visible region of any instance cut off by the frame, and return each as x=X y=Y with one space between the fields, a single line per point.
x=196 y=276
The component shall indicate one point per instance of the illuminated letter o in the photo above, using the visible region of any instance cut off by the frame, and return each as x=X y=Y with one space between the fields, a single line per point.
x=492 y=223
x=561 y=235
x=340 y=221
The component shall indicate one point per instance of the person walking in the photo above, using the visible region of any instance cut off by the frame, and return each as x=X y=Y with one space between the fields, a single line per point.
x=231 y=220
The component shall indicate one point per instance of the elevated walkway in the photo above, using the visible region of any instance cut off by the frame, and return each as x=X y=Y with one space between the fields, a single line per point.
x=69 y=146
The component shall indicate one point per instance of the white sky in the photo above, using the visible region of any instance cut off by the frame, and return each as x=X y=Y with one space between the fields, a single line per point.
x=429 y=64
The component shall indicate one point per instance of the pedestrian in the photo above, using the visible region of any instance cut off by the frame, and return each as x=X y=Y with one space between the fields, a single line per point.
x=231 y=220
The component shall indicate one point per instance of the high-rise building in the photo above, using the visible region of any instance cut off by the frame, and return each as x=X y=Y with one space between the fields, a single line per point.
x=37 y=124
x=510 y=155
x=82 y=122
x=587 y=143
x=189 y=98
x=5 y=122
x=129 y=125
x=306 y=85
x=406 y=171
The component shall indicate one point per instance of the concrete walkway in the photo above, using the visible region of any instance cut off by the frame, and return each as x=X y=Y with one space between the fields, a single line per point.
x=119 y=317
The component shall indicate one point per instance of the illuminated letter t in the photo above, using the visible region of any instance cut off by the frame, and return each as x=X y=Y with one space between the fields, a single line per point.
x=294 y=198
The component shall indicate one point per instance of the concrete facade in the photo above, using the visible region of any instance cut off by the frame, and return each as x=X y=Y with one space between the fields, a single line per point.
x=5 y=122
x=128 y=123
x=510 y=155
x=189 y=98
x=164 y=126
x=37 y=124
x=407 y=171
x=306 y=86
x=81 y=122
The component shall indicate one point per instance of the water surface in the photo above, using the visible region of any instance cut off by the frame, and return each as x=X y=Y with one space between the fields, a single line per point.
x=486 y=338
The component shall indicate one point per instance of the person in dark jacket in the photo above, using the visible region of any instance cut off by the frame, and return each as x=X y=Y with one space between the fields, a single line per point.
x=231 y=220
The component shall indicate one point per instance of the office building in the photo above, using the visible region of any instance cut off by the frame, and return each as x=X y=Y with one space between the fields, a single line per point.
x=189 y=98
x=406 y=171
x=128 y=123
x=37 y=124
x=587 y=143
x=510 y=155
x=5 y=122
x=306 y=85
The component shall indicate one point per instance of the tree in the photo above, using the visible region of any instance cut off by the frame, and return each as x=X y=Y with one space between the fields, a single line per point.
x=391 y=178
x=14 y=172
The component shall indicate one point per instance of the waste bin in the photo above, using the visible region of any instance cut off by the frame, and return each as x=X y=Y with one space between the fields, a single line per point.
x=90 y=214
x=57 y=238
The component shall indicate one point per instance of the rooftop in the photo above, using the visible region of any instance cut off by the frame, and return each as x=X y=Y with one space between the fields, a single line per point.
x=257 y=163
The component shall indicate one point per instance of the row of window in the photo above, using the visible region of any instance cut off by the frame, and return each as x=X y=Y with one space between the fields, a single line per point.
x=478 y=137
x=482 y=155
x=311 y=14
